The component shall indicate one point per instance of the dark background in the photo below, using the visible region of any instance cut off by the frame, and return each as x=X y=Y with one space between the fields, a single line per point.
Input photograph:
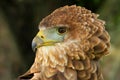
x=19 y=21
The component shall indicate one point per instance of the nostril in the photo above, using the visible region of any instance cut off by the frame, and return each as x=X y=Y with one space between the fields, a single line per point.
x=42 y=36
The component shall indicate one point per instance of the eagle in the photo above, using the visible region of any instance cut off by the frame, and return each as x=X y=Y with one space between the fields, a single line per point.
x=69 y=45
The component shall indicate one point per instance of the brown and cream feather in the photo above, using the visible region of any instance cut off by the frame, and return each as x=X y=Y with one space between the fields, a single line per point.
x=77 y=58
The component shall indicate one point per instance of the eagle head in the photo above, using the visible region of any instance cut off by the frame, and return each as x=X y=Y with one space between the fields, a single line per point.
x=70 y=41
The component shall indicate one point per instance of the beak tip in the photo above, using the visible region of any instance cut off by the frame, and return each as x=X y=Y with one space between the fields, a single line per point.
x=34 y=46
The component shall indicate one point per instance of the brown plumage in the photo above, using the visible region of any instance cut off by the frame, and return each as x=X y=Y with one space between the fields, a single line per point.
x=77 y=57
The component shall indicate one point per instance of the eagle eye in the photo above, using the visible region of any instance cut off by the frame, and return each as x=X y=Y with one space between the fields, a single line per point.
x=62 y=30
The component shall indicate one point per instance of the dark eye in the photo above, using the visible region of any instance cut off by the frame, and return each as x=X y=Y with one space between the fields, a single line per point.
x=62 y=30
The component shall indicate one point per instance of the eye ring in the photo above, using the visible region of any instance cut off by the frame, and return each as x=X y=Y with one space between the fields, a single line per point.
x=62 y=30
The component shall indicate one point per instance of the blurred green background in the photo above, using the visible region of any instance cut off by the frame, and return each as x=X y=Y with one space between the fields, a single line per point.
x=19 y=21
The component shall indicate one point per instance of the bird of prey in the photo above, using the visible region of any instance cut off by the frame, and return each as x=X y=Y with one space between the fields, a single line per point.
x=69 y=44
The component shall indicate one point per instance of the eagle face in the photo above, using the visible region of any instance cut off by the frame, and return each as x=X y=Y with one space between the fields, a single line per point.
x=69 y=44
x=49 y=36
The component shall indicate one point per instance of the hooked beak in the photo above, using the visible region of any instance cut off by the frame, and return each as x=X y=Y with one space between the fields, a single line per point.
x=41 y=40
x=36 y=42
